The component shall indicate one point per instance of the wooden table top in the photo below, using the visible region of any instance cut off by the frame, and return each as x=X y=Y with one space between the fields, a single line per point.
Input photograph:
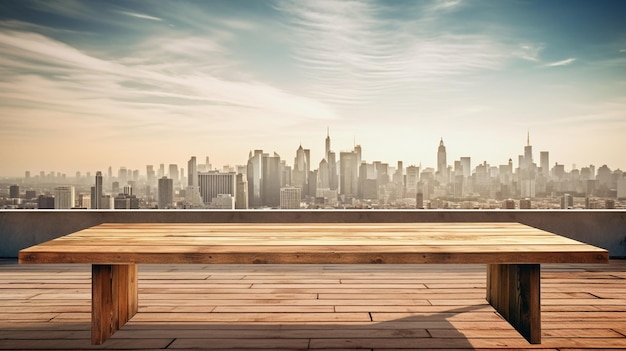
x=321 y=243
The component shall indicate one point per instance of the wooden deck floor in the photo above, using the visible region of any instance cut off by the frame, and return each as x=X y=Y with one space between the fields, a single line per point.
x=293 y=307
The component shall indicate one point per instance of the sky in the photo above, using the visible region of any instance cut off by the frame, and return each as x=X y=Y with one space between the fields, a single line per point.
x=85 y=85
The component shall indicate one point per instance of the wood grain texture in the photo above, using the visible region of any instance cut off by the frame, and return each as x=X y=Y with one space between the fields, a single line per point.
x=52 y=310
x=113 y=298
x=491 y=243
x=514 y=291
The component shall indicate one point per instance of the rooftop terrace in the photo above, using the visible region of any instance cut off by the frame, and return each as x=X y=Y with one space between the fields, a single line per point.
x=378 y=307
x=340 y=307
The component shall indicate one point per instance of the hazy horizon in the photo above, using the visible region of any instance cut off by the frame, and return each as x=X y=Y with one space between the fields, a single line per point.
x=86 y=85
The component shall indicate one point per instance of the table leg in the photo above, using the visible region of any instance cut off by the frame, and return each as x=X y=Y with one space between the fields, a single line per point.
x=113 y=299
x=514 y=291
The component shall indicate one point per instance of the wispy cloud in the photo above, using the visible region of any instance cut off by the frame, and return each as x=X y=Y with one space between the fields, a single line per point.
x=43 y=74
x=529 y=52
x=353 y=52
x=562 y=62
x=140 y=15
x=445 y=4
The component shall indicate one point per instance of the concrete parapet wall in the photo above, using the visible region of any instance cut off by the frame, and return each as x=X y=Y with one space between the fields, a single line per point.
x=603 y=228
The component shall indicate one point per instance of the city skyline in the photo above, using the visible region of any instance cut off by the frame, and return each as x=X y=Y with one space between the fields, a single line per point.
x=91 y=84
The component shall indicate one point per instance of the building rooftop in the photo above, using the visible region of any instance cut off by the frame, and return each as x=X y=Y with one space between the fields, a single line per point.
x=376 y=307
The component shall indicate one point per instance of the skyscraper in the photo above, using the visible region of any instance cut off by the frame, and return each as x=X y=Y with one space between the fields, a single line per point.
x=412 y=179
x=150 y=175
x=442 y=164
x=466 y=164
x=544 y=161
x=527 y=172
x=348 y=170
x=192 y=171
x=174 y=175
x=290 y=197
x=271 y=175
x=255 y=178
x=323 y=175
x=64 y=197
x=332 y=171
x=14 y=191
x=214 y=183
x=96 y=194
x=241 y=188
x=166 y=193
x=301 y=169
x=327 y=149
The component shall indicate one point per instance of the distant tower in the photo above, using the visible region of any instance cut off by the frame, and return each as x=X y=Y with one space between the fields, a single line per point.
x=527 y=174
x=254 y=174
x=64 y=197
x=301 y=169
x=214 y=183
x=290 y=197
x=331 y=159
x=166 y=192
x=174 y=175
x=271 y=175
x=14 y=191
x=96 y=195
x=192 y=171
x=442 y=165
x=528 y=153
x=544 y=161
x=348 y=173
x=327 y=151
x=241 y=189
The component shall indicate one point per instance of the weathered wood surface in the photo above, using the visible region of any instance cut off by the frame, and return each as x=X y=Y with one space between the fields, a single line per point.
x=514 y=291
x=341 y=307
x=240 y=243
x=114 y=299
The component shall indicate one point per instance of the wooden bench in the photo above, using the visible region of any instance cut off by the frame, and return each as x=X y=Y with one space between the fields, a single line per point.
x=513 y=253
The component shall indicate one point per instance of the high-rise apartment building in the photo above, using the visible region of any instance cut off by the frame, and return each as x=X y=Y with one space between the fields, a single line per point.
x=412 y=179
x=214 y=183
x=544 y=163
x=97 y=192
x=290 y=197
x=271 y=168
x=161 y=172
x=166 y=193
x=241 y=189
x=223 y=202
x=45 y=202
x=323 y=175
x=254 y=174
x=64 y=197
x=174 y=174
x=122 y=176
x=150 y=175
x=466 y=164
x=332 y=171
x=192 y=172
x=14 y=191
x=348 y=171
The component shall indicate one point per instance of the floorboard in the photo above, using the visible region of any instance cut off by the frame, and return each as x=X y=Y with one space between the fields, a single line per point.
x=324 y=307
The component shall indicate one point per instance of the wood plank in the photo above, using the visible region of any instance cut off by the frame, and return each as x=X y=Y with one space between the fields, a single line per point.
x=513 y=290
x=313 y=243
x=114 y=299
